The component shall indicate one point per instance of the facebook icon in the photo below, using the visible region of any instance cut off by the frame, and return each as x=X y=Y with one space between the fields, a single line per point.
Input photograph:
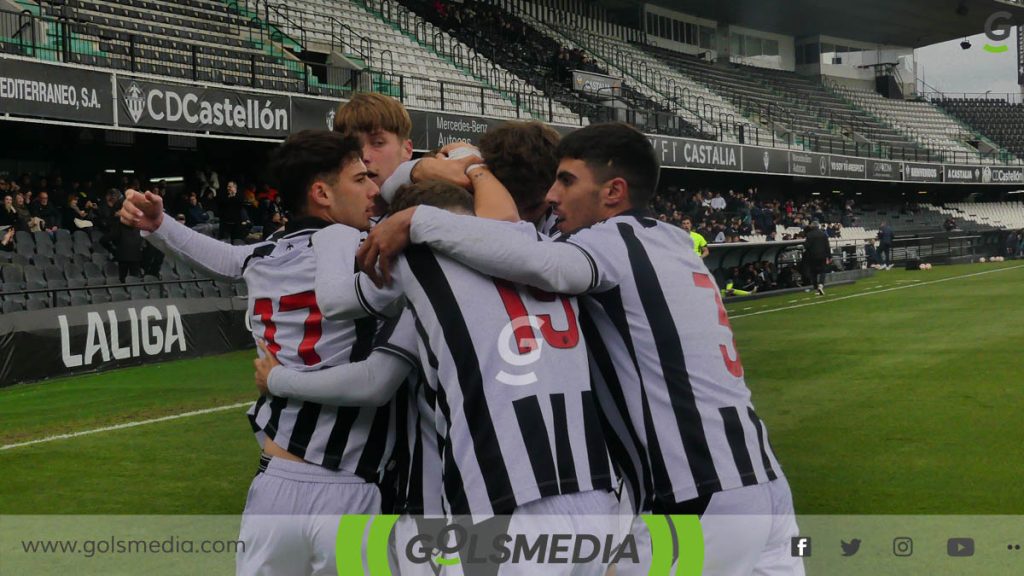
x=801 y=546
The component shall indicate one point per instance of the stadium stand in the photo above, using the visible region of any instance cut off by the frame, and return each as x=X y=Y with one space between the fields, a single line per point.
x=192 y=39
x=696 y=103
x=1000 y=120
x=430 y=65
x=999 y=215
x=926 y=124
x=71 y=268
x=510 y=42
x=798 y=109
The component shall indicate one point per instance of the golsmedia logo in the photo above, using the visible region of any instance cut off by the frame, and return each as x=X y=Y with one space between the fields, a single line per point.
x=997 y=29
x=454 y=545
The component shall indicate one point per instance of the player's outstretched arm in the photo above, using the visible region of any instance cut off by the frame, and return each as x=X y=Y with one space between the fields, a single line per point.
x=503 y=251
x=342 y=293
x=372 y=382
x=145 y=212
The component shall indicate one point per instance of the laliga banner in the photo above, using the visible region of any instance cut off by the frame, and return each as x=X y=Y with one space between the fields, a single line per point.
x=148 y=104
x=54 y=342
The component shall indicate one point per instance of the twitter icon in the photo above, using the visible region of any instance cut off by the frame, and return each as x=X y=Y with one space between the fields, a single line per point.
x=850 y=548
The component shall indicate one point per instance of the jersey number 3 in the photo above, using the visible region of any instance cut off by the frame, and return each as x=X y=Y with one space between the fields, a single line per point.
x=734 y=366
x=312 y=328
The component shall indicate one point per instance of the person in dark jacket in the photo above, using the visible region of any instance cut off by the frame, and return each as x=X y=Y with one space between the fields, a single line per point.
x=126 y=244
x=817 y=256
x=885 y=238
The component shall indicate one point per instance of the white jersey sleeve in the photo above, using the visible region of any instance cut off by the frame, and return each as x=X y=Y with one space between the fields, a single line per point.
x=400 y=177
x=372 y=382
x=214 y=257
x=343 y=292
x=510 y=251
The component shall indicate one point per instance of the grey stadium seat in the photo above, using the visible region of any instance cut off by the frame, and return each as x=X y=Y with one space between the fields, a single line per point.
x=13 y=274
x=99 y=296
x=38 y=303
x=13 y=306
x=173 y=291
x=63 y=299
x=34 y=279
x=120 y=295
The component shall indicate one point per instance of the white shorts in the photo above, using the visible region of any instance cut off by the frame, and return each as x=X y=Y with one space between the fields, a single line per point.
x=747 y=531
x=290 y=523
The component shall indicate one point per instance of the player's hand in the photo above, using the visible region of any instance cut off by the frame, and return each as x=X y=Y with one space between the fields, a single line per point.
x=386 y=241
x=263 y=367
x=453 y=171
x=142 y=211
x=444 y=152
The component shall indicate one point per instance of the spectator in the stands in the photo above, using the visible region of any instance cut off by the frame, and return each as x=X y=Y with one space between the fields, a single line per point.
x=208 y=182
x=718 y=234
x=72 y=217
x=717 y=202
x=234 y=220
x=196 y=216
x=8 y=215
x=48 y=215
x=106 y=213
x=126 y=244
x=21 y=207
x=949 y=224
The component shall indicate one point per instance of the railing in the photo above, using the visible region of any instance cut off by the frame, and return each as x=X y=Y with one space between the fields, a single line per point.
x=342 y=38
x=1016 y=99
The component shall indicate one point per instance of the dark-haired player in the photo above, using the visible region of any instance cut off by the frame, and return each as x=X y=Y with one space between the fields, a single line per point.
x=667 y=374
x=318 y=460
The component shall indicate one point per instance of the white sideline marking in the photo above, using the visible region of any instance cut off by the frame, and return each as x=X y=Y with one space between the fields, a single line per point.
x=858 y=295
x=125 y=425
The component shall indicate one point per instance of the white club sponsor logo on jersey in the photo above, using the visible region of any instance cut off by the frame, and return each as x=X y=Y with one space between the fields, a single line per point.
x=509 y=349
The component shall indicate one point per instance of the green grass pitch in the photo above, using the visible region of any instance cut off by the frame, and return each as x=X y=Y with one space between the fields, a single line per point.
x=896 y=395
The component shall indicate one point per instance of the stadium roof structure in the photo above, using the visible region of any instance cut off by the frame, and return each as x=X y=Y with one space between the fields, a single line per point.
x=912 y=23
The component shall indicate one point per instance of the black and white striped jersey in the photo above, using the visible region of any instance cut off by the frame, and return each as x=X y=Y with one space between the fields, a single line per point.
x=285 y=312
x=667 y=374
x=507 y=383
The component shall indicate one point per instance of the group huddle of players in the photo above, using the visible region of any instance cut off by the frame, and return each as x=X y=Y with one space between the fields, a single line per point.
x=492 y=332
